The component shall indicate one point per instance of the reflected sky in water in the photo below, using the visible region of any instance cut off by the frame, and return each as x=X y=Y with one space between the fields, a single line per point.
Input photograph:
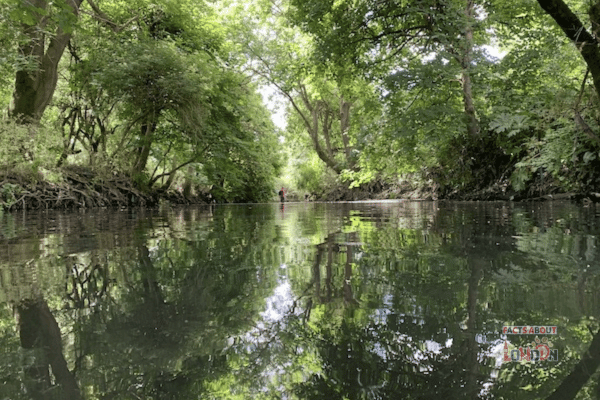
x=367 y=300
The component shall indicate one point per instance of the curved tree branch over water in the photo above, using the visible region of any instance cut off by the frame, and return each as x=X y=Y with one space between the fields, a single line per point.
x=587 y=43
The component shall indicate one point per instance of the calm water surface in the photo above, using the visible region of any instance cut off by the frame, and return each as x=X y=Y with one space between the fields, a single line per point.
x=382 y=300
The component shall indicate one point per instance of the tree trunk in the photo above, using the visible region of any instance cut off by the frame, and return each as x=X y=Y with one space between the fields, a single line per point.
x=312 y=126
x=147 y=134
x=344 y=127
x=587 y=44
x=323 y=155
x=168 y=184
x=34 y=88
x=466 y=61
x=326 y=127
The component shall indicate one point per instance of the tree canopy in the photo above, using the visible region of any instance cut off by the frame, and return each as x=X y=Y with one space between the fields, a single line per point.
x=152 y=91
x=466 y=97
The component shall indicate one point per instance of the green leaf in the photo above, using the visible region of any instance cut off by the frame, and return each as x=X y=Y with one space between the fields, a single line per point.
x=589 y=156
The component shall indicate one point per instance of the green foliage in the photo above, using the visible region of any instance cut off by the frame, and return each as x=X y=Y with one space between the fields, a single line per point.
x=311 y=176
x=423 y=124
x=150 y=77
x=9 y=194
x=510 y=125
x=167 y=88
x=167 y=91
x=27 y=146
x=57 y=13
x=562 y=155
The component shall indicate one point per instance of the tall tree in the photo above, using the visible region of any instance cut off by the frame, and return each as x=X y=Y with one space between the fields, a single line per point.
x=465 y=59
x=375 y=34
x=321 y=99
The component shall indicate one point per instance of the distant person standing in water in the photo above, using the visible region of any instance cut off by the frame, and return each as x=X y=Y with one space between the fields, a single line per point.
x=282 y=194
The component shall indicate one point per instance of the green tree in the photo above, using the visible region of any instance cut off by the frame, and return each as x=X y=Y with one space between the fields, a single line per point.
x=324 y=101
x=167 y=95
x=372 y=33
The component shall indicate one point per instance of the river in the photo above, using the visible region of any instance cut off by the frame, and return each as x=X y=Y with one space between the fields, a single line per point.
x=362 y=300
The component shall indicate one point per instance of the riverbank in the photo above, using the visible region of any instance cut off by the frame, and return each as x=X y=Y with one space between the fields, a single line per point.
x=70 y=188
x=75 y=188
x=412 y=189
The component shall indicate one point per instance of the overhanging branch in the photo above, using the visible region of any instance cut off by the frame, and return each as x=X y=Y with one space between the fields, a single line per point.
x=104 y=19
x=585 y=42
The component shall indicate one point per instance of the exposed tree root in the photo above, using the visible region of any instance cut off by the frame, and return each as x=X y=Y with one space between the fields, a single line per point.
x=79 y=188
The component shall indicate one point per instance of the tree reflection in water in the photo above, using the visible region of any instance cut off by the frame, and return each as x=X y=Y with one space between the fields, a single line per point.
x=341 y=301
x=357 y=356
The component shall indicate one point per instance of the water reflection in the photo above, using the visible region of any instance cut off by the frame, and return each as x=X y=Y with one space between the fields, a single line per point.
x=307 y=300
